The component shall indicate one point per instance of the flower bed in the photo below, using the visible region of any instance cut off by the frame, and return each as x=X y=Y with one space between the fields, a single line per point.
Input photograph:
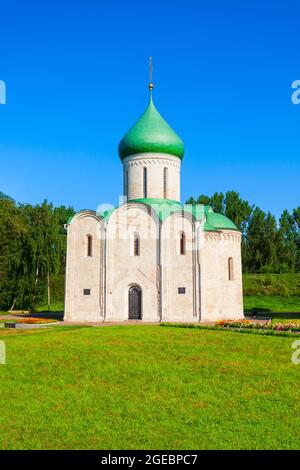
x=259 y=325
x=241 y=324
x=33 y=321
x=257 y=331
x=18 y=312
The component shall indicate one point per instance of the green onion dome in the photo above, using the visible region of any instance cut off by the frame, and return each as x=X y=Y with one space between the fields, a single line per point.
x=151 y=134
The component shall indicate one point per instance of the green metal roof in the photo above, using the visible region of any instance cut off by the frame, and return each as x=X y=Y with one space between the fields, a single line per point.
x=151 y=134
x=220 y=221
x=166 y=207
x=106 y=214
x=163 y=207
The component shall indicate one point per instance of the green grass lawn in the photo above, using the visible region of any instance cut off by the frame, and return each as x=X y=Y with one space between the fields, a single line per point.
x=147 y=387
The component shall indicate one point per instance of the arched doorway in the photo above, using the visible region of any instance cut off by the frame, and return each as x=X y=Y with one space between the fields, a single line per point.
x=135 y=303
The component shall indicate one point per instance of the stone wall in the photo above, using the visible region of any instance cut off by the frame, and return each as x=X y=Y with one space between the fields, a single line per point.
x=124 y=269
x=221 y=298
x=83 y=271
x=189 y=287
x=179 y=274
x=155 y=164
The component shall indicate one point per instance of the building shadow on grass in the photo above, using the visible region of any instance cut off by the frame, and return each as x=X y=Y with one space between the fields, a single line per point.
x=258 y=312
x=48 y=315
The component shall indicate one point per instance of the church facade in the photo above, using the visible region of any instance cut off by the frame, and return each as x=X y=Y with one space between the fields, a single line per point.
x=152 y=259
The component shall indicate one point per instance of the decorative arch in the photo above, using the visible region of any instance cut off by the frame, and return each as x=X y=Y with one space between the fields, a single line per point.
x=82 y=215
x=118 y=217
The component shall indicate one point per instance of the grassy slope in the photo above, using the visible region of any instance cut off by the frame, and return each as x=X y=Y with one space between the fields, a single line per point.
x=147 y=387
x=283 y=285
x=272 y=303
x=274 y=292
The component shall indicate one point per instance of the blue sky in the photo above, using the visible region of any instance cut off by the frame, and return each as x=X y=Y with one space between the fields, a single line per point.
x=77 y=74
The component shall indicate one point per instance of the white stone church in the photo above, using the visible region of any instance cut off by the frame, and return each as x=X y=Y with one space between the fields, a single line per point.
x=152 y=259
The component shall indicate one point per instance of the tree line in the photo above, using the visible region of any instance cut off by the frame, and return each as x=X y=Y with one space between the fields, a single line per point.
x=268 y=245
x=32 y=249
x=33 y=244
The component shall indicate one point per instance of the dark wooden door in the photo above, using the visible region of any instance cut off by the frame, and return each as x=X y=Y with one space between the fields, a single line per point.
x=135 y=303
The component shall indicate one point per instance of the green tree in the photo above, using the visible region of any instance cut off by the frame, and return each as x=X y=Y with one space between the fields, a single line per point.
x=259 y=253
x=287 y=243
x=231 y=205
x=218 y=203
x=13 y=231
x=296 y=217
x=32 y=249
x=238 y=210
x=5 y=197
x=192 y=201
x=44 y=248
x=63 y=214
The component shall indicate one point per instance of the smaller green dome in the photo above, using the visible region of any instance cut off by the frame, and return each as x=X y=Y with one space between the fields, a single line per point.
x=219 y=221
x=151 y=134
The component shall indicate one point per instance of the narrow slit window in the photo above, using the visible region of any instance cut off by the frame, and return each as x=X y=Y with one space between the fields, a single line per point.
x=182 y=244
x=165 y=182
x=230 y=269
x=89 y=245
x=126 y=183
x=145 y=182
x=136 y=245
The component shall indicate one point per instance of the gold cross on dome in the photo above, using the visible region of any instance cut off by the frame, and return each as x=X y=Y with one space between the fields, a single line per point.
x=150 y=73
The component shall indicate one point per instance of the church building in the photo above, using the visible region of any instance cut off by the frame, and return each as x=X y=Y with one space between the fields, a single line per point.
x=152 y=259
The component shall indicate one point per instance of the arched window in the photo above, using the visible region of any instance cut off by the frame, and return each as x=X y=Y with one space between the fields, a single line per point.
x=165 y=182
x=145 y=182
x=89 y=245
x=126 y=183
x=230 y=269
x=182 y=243
x=136 y=245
